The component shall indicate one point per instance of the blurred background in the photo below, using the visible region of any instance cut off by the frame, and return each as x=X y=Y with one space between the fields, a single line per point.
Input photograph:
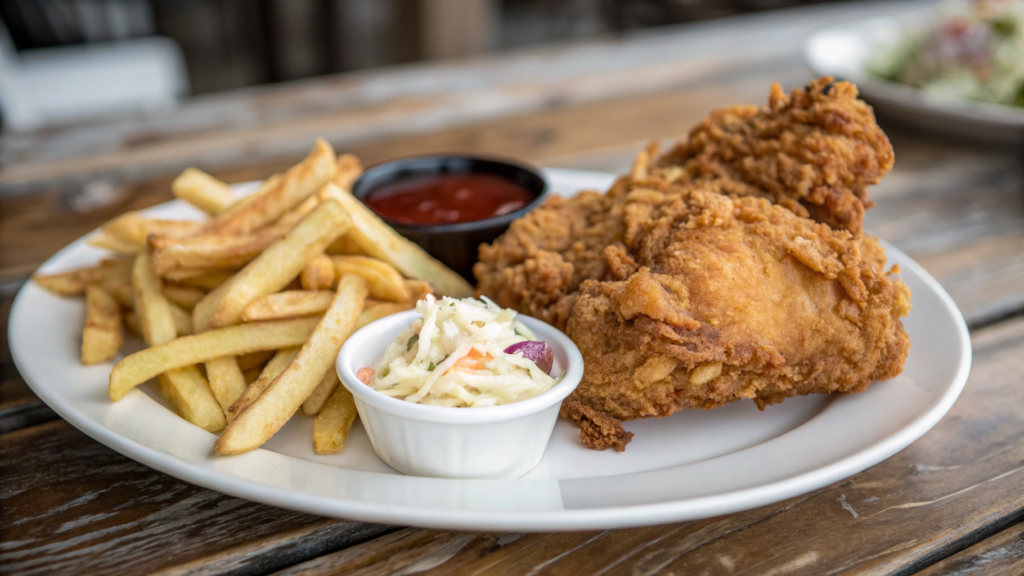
x=72 y=60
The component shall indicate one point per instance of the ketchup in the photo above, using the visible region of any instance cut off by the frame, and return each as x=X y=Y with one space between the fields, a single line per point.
x=447 y=198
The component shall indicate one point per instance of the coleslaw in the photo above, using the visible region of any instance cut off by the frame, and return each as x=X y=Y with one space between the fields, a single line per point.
x=463 y=353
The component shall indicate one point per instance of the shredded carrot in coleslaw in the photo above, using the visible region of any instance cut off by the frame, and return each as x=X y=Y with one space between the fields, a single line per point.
x=455 y=356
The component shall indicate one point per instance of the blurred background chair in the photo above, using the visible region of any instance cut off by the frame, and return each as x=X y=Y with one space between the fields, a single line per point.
x=67 y=61
x=107 y=73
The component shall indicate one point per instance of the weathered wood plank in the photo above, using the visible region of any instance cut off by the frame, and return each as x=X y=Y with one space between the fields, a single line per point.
x=14 y=393
x=24 y=413
x=1000 y=555
x=73 y=506
x=939 y=496
x=253 y=125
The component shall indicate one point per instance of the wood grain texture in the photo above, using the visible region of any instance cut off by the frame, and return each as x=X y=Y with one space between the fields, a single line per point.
x=1000 y=555
x=14 y=393
x=73 y=506
x=945 y=492
x=253 y=125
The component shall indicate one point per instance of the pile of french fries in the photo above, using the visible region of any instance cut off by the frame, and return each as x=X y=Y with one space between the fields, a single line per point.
x=244 y=313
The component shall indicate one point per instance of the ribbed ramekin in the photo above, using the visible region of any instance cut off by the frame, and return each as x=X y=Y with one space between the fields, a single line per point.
x=421 y=440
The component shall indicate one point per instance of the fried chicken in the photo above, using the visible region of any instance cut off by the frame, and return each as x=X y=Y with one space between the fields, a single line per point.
x=714 y=299
x=684 y=286
x=816 y=150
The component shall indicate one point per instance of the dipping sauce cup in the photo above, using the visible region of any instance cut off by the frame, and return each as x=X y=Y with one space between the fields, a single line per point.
x=504 y=441
x=451 y=204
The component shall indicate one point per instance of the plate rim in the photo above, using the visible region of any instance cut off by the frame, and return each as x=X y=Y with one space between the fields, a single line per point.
x=896 y=94
x=541 y=521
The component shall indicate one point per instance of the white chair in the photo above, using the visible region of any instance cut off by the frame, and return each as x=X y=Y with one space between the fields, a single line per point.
x=48 y=86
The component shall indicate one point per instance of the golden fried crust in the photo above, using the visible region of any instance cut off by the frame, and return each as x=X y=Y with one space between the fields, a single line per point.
x=734 y=298
x=820 y=147
x=538 y=263
x=686 y=287
x=598 y=431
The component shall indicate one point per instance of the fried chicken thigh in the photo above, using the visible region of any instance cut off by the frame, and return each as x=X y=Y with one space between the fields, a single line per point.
x=815 y=152
x=684 y=286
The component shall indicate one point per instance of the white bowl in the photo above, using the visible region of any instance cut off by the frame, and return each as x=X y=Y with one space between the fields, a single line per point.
x=421 y=440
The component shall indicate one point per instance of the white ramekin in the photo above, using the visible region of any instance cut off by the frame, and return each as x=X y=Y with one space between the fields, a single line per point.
x=495 y=442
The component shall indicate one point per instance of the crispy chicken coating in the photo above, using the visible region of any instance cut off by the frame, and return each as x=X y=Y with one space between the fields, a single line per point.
x=684 y=286
x=714 y=299
x=819 y=148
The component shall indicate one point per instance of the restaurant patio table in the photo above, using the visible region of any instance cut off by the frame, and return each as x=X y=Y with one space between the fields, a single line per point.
x=952 y=501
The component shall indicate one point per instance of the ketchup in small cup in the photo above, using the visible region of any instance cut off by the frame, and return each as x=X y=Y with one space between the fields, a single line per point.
x=448 y=198
x=450 y=205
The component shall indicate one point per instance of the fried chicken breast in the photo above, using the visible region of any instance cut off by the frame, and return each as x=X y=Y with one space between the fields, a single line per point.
x=685 y=286
x=714 y=299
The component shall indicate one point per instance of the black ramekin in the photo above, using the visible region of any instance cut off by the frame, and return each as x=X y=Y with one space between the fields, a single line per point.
x=454 y=244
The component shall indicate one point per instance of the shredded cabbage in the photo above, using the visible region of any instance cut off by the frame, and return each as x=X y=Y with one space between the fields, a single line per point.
x=455 y=356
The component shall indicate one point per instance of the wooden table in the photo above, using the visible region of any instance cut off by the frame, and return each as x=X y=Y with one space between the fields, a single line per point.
x=950 y=503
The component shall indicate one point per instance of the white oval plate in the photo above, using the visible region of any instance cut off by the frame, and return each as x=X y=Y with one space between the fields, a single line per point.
x=691 y=465
x=843 y=51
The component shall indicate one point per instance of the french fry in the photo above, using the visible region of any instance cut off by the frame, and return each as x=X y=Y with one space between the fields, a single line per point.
x=207 y=278
x=184 y=386
x=227 y=382
x=74 y=282
x=107 y=241
x=384 y=309
x=285 y=223
x=418 y=289
x=378 y=240
x=103 y=334
x=349 y=170
x=288 y=304
x=252 y=374
x=227 y=377
x=281 y=262
x=273 y=369
x=297 y=303
x=189 y=393
x=345 y=245
x=182 y=319
x=264 y=417
x=385 y=282
x=152 y=309
x=121 y=290
x=332 y=425
x=131 y=322
x=204 y=309
x=255 y=360
x=266 y=186
x=313 y=404
x=184 y=296
x=207 y=251
x=129 y=231
x=290 y=189
x=318 y=274
x=202 y=191
x=187 y=350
